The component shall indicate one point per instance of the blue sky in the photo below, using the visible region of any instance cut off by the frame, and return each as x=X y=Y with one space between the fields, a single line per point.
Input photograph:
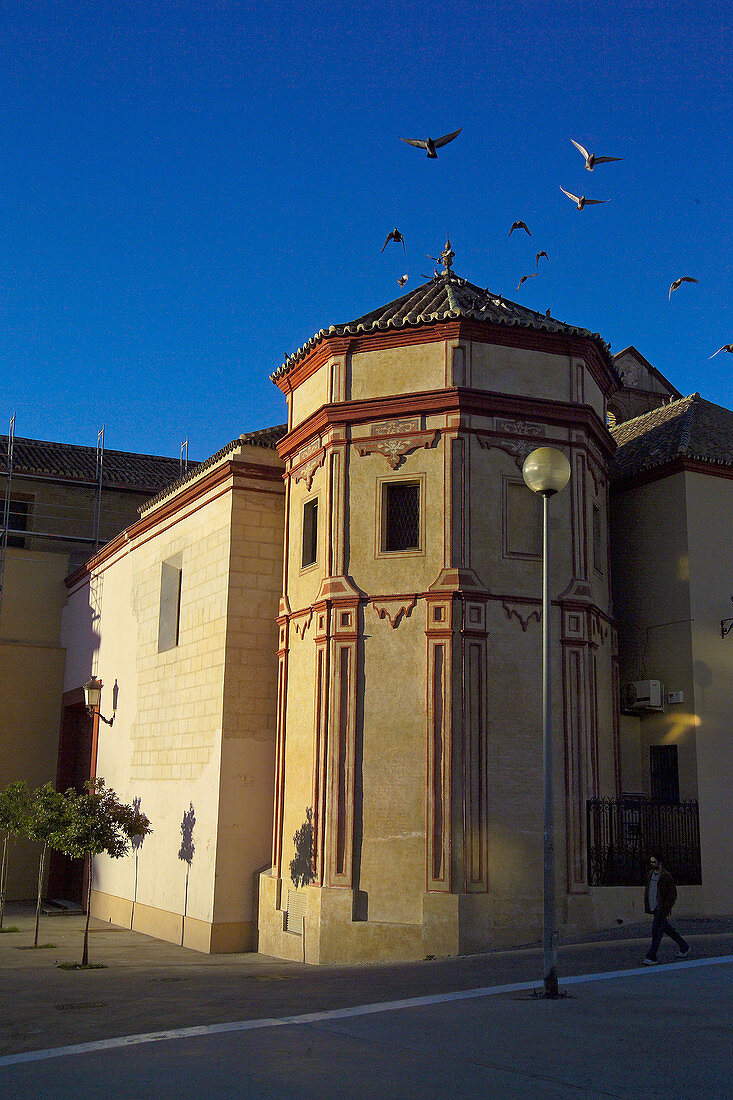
x=191 y=190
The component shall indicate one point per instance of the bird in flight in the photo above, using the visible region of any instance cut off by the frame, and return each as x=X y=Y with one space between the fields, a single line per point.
x=518 y=225
x=430 y=144
x=678 y=283
x=725 y=347
x=590 y=159
x=581 y=201
x=542 y=254
x=525 y=277
x=402 y=280
x=395 y=236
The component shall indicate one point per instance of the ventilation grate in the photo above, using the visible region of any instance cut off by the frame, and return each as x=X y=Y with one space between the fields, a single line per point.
x=295 y=912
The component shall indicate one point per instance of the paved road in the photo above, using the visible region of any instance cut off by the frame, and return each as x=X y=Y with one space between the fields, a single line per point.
x=461 y=1027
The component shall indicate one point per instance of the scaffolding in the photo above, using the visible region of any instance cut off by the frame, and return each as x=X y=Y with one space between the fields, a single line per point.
x=6 y=507
x=48 y=516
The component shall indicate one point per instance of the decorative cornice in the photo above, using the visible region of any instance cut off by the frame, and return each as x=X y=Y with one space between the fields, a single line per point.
x=453 y=401
x=523 y=610
x=394 y=608
x=305 y=466
x=395 y=448
x=302 y=621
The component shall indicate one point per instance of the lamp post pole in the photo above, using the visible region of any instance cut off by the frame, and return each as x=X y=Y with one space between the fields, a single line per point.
x=547 y=471
x=549 y=939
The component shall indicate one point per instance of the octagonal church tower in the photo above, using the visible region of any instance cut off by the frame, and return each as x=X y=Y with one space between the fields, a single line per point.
x=408 y=801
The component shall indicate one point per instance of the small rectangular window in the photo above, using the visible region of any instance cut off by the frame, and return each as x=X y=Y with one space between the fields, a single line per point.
x=597 y=540
x=522 y=521
x=17 y=521
x=169 y=619
x=400 y=516
x=664 y=773
x=310 y=533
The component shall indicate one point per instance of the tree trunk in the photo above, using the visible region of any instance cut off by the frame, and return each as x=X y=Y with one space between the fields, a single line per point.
x=3 y=877
x=41 y=869
x=85 y=952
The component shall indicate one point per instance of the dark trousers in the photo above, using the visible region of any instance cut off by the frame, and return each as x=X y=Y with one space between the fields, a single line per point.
x=660 y=925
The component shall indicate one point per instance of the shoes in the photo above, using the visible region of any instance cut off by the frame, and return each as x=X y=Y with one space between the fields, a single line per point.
x=683 y=954
x=649 y=962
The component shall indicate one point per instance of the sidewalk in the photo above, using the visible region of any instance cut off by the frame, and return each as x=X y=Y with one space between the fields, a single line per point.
x=148 y=985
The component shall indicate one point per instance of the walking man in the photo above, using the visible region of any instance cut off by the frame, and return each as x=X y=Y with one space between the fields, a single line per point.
x=660 y=894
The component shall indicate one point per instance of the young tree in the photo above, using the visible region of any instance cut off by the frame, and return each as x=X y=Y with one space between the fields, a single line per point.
x=45 y=823
x=14 y=809
x=98 y=822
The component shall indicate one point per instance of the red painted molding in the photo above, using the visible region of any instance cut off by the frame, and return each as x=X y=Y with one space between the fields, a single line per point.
x=455 y=401
x=514 y=336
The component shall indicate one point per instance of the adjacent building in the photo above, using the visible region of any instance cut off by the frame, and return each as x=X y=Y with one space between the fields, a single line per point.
x=61 y=501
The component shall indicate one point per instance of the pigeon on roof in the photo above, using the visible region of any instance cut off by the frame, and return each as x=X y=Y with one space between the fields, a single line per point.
x=444 y=297
x=432 y=144
x=590 y=159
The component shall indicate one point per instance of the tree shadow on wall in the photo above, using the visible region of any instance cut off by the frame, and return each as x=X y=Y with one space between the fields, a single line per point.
x=136 y=843
x=301 y=867
x=186 y=854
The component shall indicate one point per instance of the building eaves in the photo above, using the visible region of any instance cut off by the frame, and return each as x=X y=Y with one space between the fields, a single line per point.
x=690 y=428
x=446 y=297
x=70 y=462
x=263 y=437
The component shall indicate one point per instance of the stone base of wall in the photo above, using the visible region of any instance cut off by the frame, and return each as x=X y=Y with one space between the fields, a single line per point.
x=163 y=925
x=614 y=905
x=452 y=924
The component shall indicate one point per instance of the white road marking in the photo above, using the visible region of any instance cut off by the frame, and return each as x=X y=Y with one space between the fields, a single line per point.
x=342 y=1013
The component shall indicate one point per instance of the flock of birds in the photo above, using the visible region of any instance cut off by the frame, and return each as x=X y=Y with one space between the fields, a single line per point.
x=431 y=145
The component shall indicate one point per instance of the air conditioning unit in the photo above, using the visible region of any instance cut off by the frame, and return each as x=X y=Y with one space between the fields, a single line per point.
x=642 y=695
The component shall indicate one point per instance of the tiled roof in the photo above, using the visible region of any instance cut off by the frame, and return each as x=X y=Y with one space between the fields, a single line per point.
x=263 y=437
x=70 y=462
x=446 y=297
x=689 y=428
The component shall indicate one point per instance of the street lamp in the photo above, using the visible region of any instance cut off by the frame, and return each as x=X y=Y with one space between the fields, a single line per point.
x=92 y=695
x=547 y=471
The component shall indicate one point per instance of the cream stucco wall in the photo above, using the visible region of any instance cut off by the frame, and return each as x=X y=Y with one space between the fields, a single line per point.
x=710 y=521
x=671 y=572
x=179 y=740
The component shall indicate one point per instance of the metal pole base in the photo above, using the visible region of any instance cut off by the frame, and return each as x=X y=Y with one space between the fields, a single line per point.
x=551 y=988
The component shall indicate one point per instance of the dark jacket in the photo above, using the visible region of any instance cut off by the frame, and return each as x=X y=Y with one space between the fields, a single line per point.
x=666 y=893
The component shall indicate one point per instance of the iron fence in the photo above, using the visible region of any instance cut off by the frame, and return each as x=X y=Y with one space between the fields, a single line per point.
x=622 y=832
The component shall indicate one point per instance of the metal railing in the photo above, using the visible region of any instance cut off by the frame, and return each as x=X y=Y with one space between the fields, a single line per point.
x=623 y=832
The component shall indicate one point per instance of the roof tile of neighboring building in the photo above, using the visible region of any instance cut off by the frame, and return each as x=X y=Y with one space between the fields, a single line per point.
x=263 y=437
x=691 y=428
x=446 y=297
x=71 y=462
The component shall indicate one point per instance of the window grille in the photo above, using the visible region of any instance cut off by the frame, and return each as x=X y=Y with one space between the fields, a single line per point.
x=401 y=517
